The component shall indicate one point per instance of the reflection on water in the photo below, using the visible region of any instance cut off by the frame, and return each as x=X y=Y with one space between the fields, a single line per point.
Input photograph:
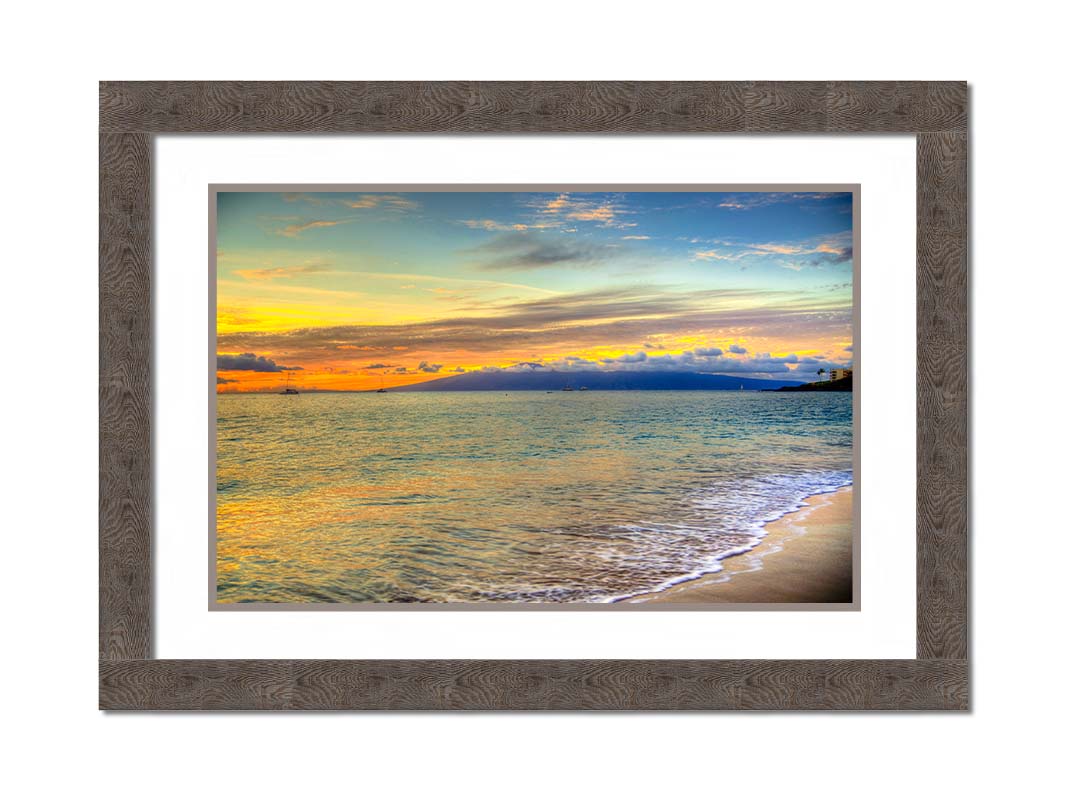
x=522 y=497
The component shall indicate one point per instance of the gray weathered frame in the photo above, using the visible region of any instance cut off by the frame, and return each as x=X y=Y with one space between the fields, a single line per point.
x=131 y=113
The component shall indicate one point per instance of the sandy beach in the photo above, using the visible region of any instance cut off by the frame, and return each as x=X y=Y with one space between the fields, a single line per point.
x=805 y=557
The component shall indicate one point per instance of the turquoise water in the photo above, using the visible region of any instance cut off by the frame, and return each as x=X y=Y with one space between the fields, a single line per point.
x=519 y=497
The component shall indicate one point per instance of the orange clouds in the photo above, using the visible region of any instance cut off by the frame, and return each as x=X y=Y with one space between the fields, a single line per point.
x=273 y=273
x=294 y=230
x=715 y=255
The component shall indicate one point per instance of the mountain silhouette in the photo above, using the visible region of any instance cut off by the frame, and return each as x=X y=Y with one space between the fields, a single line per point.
x=548 y=381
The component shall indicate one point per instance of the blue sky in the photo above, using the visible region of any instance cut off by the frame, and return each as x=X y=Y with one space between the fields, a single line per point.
x=336 y=282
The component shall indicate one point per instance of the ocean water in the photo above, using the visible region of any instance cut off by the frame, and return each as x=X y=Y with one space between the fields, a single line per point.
x=519 y=497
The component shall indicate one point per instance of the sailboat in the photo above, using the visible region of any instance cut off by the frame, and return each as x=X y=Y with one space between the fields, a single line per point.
x=288 y=389
x=381 y=388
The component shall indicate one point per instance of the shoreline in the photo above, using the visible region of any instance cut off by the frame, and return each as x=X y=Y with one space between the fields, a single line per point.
x=804 y=557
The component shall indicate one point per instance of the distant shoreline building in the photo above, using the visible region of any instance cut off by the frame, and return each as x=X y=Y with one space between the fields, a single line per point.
x=840 y=374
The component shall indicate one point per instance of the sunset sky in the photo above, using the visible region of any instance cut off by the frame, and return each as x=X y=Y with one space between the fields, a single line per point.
x=351 y=290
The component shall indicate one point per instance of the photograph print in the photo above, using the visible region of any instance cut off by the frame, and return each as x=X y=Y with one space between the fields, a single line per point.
x=545 y=396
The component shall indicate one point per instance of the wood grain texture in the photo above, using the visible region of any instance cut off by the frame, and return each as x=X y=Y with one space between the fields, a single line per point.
x=897 y=106
x=942 y=395
x=534 y=685
x=125 y=396
x=131 y=113
x=528 y=107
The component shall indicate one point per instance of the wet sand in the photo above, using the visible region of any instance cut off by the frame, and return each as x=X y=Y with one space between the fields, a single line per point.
x=806 y=557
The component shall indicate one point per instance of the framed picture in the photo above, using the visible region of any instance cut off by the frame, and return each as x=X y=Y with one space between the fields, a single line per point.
x=566 y=396
x=633 y=379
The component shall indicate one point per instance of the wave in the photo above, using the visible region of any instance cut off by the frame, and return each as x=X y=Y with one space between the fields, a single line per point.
x=743 y=508
x=708 y=525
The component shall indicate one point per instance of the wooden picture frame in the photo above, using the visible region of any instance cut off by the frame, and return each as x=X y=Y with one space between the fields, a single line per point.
x=131 y=113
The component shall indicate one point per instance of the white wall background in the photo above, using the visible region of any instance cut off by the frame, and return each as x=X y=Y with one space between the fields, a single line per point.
x=59 y=745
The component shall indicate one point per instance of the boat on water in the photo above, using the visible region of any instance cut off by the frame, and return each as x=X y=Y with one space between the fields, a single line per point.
x=583 y=388
x=381 y=389
x=568 y=388
x=288 y=389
